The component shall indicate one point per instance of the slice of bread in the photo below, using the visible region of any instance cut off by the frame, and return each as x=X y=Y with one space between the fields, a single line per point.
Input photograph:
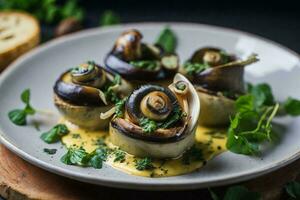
x=19 y=32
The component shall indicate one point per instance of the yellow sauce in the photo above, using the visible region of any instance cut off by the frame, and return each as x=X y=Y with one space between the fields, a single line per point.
x=210 y=141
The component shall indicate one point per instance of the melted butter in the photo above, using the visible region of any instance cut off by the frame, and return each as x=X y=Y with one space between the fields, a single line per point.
x=210 y=141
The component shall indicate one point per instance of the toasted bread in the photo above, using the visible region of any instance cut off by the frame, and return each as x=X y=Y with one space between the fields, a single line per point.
x=19 y=32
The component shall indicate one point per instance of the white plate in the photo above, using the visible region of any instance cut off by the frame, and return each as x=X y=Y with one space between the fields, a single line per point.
x=39 y=69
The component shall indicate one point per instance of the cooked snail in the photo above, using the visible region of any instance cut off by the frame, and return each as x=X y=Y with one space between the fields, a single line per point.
x=140 y=62
x=157 y=121
x=87 y=90
x=219 y=79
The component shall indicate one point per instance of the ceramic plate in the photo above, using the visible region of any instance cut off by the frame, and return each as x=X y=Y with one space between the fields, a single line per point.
x=39 y=69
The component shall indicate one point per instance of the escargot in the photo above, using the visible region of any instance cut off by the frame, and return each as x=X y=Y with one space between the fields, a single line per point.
x=138 y=61
x=158 y=121
x=87 y=90
x=219 y=79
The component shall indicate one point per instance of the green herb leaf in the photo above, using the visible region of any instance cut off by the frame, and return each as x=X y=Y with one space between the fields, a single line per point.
x=194 y=68
x=119 y=156
x=293 y=189
x=174 y=117
x=120 y=107
x=97 y=157
x=18 y=117
x=148 y=125
x=262 y=94
x=144 y=164
x=167 y=40
x=109 y=18
x=55 y=134
x=145 y=64
x=241 y=193
x=50 y=151
x=250 y=127
x=76 y=156
x=292 y=106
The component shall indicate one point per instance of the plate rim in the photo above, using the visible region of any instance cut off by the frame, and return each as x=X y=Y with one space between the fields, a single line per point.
x=107 y=181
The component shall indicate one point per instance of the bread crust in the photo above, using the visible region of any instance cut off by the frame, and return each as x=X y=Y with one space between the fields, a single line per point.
x=31 y=39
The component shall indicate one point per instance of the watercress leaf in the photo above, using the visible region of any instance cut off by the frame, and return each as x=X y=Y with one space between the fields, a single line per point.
x=244 y=103
x=292 y=106
x=293 y=189
x=97 y=157
x=109 y=18
x=167 y=40
x=25 y=96
x=55 y=134
x=241 y=193
x=18 y=117
x=262 y=94
x=76 y=156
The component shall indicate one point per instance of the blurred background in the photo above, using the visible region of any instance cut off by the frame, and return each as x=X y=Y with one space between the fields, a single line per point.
x=276 y=20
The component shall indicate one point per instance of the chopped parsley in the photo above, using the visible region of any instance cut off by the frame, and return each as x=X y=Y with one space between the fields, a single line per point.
x=120 y=107
x=145 y=64
x=76 y=156
x=50 y=151
x=144 y=164
x=119 y=156
x=194 y=68
x=55 y=134
x=148 y=125
x=19 y=116
x=110 y=94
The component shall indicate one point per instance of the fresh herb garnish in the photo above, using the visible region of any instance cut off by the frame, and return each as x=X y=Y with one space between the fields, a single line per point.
x=167 y=40
x=194 y=68
x=145 y=64
x=19 y=116
x=120 y=107
x=47 y=11
x=76 y=156
x=176 y=115
x=236 y=193
x=148 y=125
x=293 y=189
x=292 y=106
x=193 y=154
x=119 y=156
x=50 y=151
x=97 y=157
x=180 y=86
x=144 y=164
x=109 y=92
x=76 y=135
x=251 y=125
x=55 y=134
x=262 y=93
x=109 y=18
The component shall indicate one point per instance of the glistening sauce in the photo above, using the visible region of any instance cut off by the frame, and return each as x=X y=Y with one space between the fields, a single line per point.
x=209 y=141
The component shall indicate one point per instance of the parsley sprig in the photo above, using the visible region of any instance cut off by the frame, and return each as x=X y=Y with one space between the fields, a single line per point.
x=144 y=164
x=19 y=116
